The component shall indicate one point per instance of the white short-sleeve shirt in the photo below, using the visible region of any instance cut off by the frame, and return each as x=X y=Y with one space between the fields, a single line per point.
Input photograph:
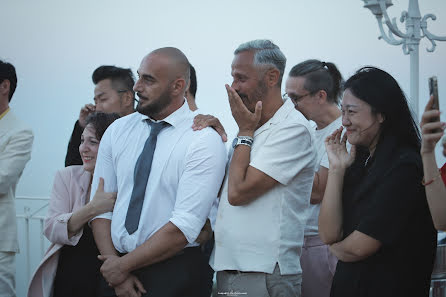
x=270 y=229
x=322 y=159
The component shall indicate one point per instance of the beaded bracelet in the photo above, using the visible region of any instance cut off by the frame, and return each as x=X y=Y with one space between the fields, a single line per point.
x=426 y=183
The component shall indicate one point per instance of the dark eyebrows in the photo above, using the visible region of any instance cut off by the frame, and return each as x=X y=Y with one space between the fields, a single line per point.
x=99 y=95
x=349 y=106
x=146 y=76
x=89 y=138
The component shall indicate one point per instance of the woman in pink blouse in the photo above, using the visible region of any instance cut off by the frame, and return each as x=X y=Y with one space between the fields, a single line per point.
x=70 y=266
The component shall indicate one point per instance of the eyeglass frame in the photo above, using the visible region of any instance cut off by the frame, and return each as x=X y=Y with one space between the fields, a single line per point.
x=297 y=98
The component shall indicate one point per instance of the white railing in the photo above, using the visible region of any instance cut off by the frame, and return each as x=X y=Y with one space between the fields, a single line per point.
x=30 y=213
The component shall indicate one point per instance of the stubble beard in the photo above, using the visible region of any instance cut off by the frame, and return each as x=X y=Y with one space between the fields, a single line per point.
x=156 y=107
x=257 y=95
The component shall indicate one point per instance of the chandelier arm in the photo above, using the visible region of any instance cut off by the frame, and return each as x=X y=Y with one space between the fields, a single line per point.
x=431 y=36
x=432 y=48
x=426 y=32
x=388 y=38
x=395 y=41
x=393 y=28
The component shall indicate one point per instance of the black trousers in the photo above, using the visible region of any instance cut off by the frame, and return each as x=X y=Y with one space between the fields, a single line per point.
x=207 y=279
x=179 y=276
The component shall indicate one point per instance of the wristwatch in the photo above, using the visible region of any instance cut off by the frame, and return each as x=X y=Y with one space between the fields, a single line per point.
x=245 y=140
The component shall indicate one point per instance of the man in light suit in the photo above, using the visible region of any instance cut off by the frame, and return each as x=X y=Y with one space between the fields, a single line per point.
x=15 y=151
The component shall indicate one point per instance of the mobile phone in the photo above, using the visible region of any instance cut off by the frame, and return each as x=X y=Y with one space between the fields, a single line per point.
x=433 y=91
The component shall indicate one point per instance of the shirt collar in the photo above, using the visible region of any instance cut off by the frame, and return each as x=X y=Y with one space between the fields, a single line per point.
x=281 y=113
x=4 y=113
x=175 y=118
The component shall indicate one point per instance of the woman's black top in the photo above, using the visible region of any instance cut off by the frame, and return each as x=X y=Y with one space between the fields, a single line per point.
x=389 y=206
x=78 y=272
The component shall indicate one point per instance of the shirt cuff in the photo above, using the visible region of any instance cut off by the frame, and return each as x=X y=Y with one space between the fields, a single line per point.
x=188 y=224
x=106 y=215
x=63 y=219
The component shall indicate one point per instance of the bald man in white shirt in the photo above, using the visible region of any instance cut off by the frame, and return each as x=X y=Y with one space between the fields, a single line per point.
x=188 y=166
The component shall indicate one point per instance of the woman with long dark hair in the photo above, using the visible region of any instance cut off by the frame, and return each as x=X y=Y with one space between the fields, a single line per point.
x=374 y=213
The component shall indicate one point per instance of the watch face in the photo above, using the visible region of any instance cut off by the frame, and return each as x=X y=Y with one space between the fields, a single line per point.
x=234 y=142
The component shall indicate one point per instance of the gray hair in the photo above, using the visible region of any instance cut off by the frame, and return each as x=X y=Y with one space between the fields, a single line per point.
x=265 y=53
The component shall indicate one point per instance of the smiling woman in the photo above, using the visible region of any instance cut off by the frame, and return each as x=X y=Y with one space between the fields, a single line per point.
x=72 y=258
x=374 y=212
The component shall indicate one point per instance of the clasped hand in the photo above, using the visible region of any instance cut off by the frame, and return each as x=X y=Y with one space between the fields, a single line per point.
x=124 y=283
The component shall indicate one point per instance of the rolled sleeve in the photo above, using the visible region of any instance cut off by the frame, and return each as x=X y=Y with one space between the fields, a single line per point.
x=107 y=215
x=189 y=224
x=199 y=183
x=59 y=213
x=58 y=232
x=286 y=153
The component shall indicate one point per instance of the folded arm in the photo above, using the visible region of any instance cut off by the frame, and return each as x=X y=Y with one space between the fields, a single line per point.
x=355 y=247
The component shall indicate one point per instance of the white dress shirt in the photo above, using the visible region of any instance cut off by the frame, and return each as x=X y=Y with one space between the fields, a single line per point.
x=270 y=229
x=187 y=170
x=213 y=213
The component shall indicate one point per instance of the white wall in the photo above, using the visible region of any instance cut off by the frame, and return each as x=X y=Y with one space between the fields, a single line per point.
x=56 y=45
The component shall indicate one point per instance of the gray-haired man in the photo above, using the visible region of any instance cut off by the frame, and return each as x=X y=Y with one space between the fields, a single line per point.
x=262 y=213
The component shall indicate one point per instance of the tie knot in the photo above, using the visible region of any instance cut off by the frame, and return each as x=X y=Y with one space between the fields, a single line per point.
x=157 y=127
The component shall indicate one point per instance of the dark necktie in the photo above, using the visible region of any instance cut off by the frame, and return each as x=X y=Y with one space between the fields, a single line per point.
x=141 y=176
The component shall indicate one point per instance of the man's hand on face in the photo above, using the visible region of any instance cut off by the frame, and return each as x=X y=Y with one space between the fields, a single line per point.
x=112 y=270
x=246 y=120
x=85 y=111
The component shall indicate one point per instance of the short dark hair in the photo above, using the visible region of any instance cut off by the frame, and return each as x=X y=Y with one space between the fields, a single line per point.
x=193 y=81
x=100 y=122
x=121 y=78
x=320 y=76
x=7 y=72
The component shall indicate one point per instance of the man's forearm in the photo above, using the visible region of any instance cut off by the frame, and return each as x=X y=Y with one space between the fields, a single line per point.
x=102 y=236
x=238 y=168
x=164 y=244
